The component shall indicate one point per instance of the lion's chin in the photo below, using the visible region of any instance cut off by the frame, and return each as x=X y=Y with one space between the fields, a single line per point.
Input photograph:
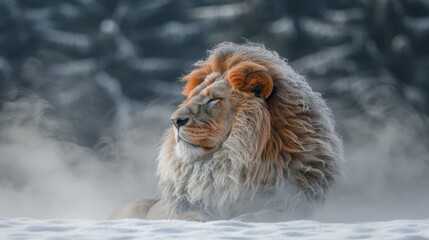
x=188 y=152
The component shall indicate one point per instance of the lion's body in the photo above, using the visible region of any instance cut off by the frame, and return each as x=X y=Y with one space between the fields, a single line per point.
x=266 y=144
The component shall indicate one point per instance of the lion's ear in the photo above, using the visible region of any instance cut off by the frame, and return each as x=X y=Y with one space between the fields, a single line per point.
x=251 y=77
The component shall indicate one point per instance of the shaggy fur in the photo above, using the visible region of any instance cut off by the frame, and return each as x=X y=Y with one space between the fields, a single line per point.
x=280 y=151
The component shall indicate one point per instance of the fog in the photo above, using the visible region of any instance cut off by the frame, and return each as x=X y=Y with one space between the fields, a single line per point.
x=48 y=170
x=385 y=171
x=46 y=174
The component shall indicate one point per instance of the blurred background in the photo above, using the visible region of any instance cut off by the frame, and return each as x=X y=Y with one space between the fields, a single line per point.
x=87 y=88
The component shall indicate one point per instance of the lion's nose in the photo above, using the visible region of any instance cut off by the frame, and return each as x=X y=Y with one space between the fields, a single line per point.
x=180 y=121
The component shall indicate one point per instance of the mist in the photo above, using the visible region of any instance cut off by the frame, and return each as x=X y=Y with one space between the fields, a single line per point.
x=48 y=169
x=46 y=172
x=386 y=161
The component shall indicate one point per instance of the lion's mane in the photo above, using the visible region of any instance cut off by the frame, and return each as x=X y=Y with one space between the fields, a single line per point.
x=283 y=154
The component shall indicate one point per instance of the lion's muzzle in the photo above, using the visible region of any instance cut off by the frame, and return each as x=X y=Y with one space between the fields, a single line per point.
x=180 y=118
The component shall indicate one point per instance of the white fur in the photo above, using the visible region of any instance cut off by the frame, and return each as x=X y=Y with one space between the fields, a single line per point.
x=187 y=152
x=216 y=182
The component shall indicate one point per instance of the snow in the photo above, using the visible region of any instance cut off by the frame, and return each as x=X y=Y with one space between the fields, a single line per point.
x=25 y=228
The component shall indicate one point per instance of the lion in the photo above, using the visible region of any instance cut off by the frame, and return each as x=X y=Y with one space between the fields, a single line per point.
x=251 y=141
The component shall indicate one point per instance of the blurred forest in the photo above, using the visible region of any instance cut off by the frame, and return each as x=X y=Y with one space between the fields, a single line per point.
x=361 y=51
x=369 y=58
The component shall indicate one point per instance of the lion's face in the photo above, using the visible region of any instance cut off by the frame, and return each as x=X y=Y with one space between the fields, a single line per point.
x=203 y=121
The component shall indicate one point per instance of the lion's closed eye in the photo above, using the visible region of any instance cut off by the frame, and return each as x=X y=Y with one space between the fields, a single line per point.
x=212 y=102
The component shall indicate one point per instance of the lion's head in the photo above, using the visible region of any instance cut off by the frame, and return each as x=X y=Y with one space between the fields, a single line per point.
x=251 y=135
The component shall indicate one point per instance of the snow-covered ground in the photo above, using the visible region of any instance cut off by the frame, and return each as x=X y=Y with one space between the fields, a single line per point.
x=25 y=228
